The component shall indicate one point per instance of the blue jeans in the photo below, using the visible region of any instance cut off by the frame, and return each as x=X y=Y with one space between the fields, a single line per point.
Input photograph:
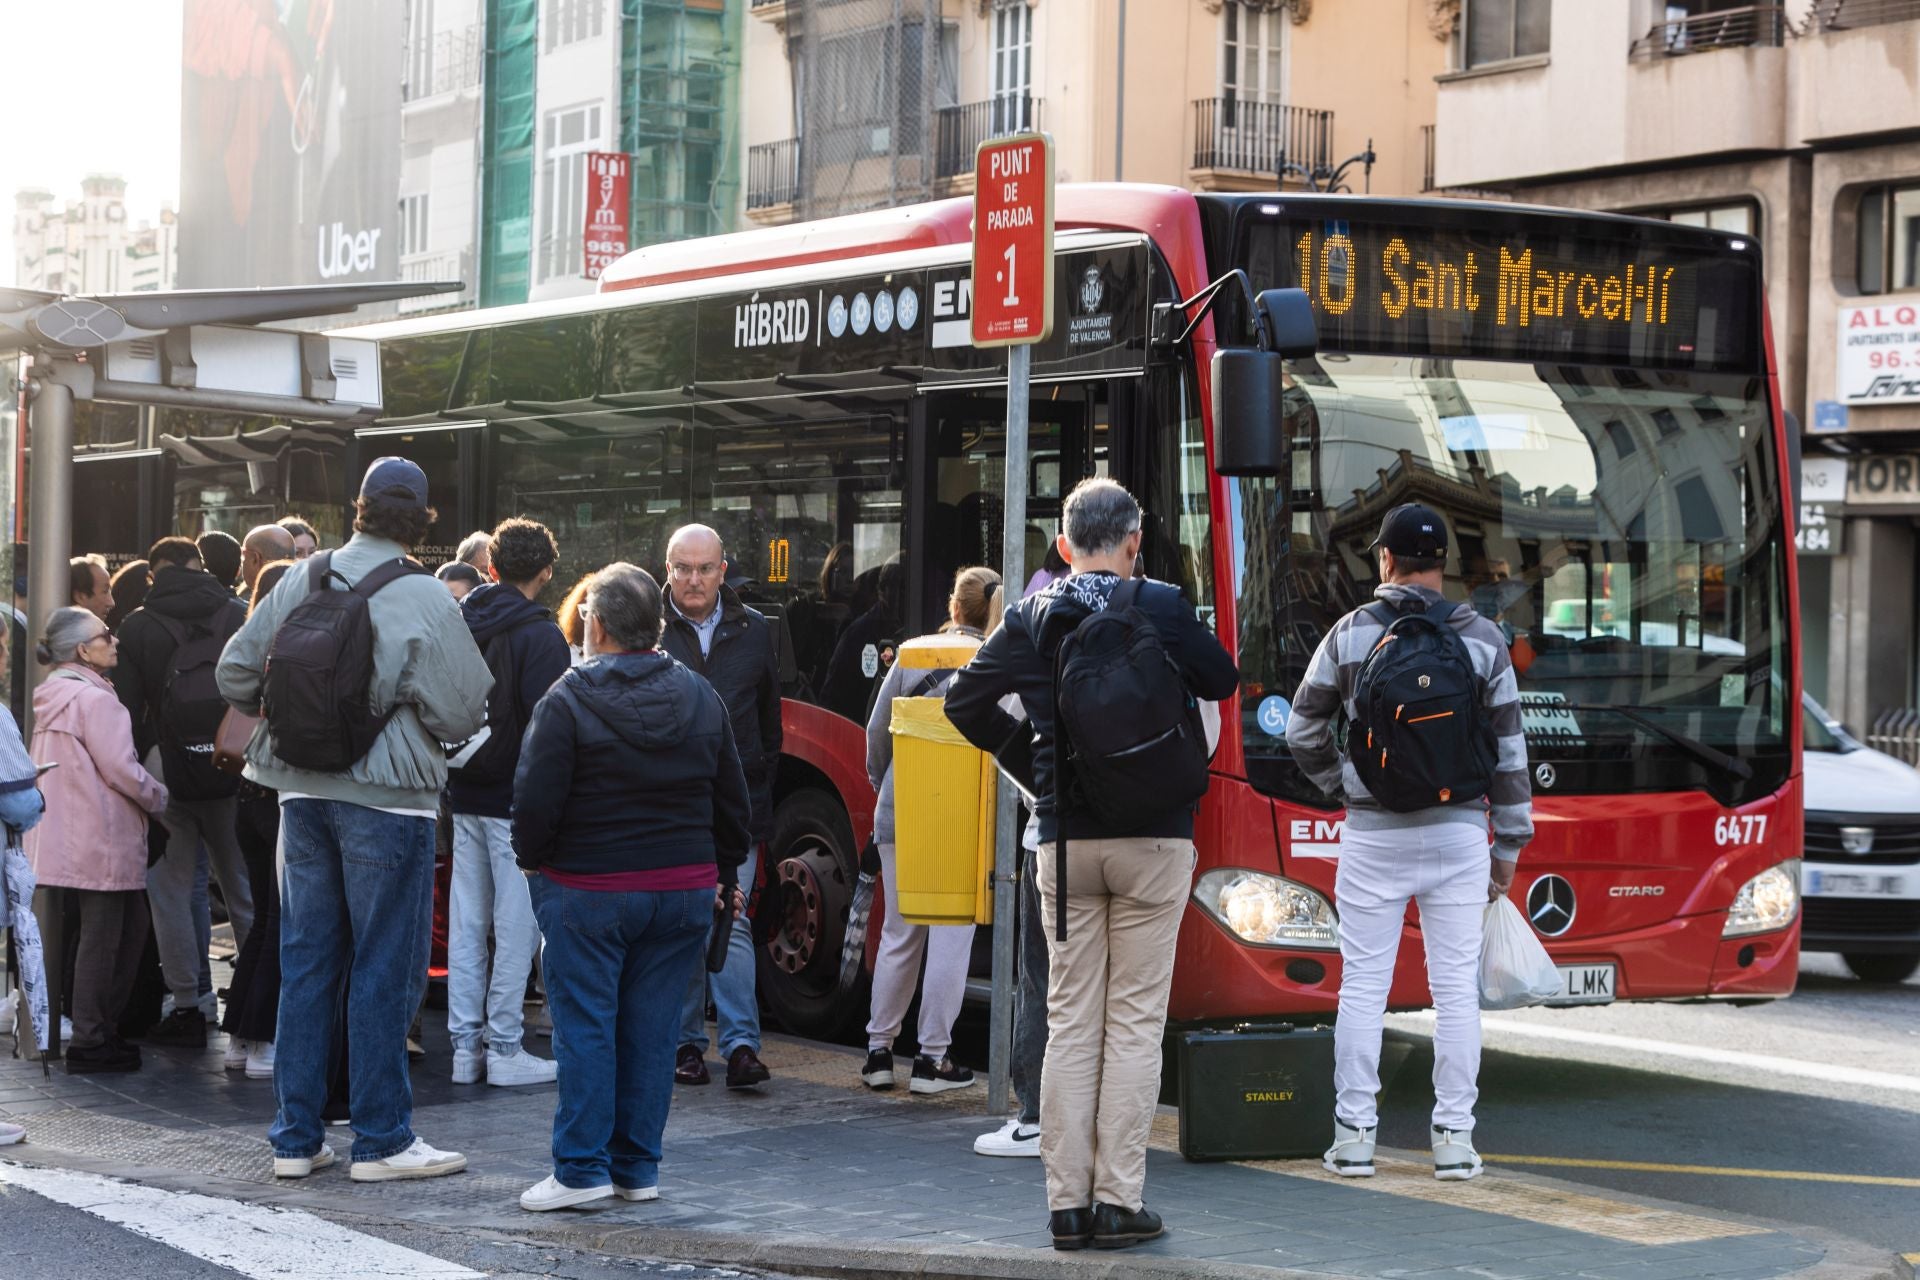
x=736 y=1001
x=355 y=899
x=613 y=969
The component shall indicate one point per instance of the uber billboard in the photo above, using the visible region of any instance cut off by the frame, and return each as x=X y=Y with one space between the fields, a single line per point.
x=290 y=142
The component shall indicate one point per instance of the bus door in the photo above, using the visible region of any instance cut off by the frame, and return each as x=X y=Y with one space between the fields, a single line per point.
x=120 y=506
x=452 y=457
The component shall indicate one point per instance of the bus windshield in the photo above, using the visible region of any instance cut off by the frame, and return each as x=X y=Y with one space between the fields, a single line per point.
x=1622 y=526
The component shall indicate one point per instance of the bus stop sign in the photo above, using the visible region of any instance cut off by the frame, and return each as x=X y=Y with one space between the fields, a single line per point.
x=1013 y=240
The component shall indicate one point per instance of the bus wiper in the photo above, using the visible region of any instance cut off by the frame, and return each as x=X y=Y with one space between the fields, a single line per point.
x=1693 y=746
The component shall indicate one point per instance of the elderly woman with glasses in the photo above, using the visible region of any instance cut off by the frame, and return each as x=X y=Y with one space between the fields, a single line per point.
x=91 y=849
x=631 y=816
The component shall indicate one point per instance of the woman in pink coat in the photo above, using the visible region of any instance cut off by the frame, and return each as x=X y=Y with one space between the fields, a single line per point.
x=92 y=844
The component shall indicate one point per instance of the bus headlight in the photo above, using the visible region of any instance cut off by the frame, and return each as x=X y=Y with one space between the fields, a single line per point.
x=1766 y=902
x=1267 y=910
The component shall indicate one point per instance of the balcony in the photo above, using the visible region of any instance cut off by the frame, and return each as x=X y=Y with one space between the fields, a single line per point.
x=1762 y=26
x=1243 y=146
x=448 y=62
x=774 y=11
x=958 y=132
x=773 y=180
x=1849 y=15
x=443 y=264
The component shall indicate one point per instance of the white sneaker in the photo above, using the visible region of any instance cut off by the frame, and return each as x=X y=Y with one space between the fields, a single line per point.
x=1454 y=1159
x=469 y=1065
x=549 y=1194
x=66 y=1030
x=520 y=1067
x=1010 y=1139
x=12 y=1133
x=1351 y=1155
x=417 y=1161
x=637 y=1193
x=260 y=1060
x=235 y=1058
x=301 y=1166
x=7 y=1007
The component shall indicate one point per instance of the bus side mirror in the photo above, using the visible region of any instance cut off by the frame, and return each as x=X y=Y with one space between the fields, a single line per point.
x=1251 y=434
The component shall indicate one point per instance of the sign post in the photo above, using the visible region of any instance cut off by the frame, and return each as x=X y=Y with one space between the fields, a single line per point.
x=1012 y=307
x=609 y=195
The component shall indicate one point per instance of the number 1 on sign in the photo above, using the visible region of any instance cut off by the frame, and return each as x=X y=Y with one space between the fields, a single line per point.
x=1012 y=299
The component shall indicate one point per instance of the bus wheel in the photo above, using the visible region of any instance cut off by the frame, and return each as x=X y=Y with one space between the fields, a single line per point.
x=1881 y=968
x=809 y=886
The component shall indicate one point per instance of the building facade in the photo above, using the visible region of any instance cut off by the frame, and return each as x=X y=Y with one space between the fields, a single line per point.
x=1793 y=123
x=87 y=246
x=850 y=105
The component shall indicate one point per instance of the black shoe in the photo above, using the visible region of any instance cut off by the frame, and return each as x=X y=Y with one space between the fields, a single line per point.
x=878 y=1073
x=938 y=1077
x=186 y=1027
x=689 y=1067
x=1071 y=1228
x=745 y=1070
x=101 y=1059
x=1115 y=1228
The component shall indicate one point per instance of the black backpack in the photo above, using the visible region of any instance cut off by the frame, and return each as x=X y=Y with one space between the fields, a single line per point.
x=319 y=682
x=494 y=761
x=188 y=712
x=1419 y=737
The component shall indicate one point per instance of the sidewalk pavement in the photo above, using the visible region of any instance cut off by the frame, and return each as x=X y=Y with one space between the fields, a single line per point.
x=817 y=1174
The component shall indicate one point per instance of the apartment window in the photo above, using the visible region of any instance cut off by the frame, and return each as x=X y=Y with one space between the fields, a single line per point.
x=419 y=48
x=1251 y=61
x=1889 y=244
x=566 y=136
x=413 y=224
x=1012 y=61
x=569 y=21
x=1501 y=30
x=1740 y=217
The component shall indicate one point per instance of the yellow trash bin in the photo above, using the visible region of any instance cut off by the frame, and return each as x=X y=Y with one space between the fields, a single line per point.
x=943 y=800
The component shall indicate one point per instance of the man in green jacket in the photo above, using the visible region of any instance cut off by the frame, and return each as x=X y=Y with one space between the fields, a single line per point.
x=358 y=843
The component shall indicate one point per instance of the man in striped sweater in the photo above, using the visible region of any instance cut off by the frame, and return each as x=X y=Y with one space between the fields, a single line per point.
x=1436 y=856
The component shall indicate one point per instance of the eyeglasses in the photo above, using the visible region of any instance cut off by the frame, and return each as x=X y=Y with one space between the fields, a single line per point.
x=586 y=611
x=98 y=636
x=694 y=570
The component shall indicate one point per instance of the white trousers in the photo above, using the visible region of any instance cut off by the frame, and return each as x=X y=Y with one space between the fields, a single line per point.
x=896 y=971
x=1445 y=869
x=489 y=894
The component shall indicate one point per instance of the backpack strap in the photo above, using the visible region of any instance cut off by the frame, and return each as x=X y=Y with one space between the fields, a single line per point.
x=392 y=571
x=1440 y=611
x=1059 y=795
x=1126 y=594
x=319 y=565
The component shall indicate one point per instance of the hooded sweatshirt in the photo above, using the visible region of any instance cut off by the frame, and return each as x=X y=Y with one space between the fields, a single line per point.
x=95 y=832
x=629 y=766
x=187 y=598
x=532 y=655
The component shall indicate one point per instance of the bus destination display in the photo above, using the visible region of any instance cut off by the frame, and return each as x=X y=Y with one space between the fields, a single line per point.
x=1485 y=293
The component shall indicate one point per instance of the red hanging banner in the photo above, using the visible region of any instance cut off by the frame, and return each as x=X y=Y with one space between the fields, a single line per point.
x=608 y=206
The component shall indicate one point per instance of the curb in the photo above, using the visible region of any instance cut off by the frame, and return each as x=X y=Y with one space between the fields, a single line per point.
x=1906 y=1266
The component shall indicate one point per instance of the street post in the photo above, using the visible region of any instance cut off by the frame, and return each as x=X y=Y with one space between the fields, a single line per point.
x=1012 y=308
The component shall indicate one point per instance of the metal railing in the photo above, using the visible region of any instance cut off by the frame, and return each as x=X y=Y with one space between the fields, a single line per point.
x=1759 y=26
x=1897 y=732
x=1844 y=15
x=453 y=63
x=443 y=264
x=773 y=173
x=959 y=131
x=1426 y=151
x=1258 y=137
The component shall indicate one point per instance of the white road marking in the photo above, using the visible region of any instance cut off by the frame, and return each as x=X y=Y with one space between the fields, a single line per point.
x=1759 y=1062
x=257 y=1241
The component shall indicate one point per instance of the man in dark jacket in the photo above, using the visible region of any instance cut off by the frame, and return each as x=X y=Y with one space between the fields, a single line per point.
x=184 y=603
x=526 y=653
x=1125 y=885
x=709 y=630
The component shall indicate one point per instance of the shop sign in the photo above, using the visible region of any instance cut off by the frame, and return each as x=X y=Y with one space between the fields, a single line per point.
x=1883 y=480
x=1879 y=354
x=1823 y=485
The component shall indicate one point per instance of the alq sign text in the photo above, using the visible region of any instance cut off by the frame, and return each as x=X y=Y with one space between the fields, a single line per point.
x=1879 y=354
x=1013 y=240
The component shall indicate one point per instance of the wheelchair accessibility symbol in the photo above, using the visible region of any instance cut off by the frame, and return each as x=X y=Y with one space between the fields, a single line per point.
x=1272 y=715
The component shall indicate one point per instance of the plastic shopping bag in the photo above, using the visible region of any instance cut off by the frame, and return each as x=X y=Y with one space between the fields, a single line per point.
x=1515 y=970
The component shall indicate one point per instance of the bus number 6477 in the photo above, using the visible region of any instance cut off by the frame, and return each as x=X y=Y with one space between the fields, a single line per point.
x=1739 y=829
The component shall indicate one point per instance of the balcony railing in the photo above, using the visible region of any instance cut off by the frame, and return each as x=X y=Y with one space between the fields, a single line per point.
x=452 y=62
x=1260 y=137
x=1844 y=15
x=445 y=264
x=773 y=173
x=1759 y=26
x=959 y=130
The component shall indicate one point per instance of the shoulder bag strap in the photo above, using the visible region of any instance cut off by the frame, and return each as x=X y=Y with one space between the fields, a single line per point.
x=1059 y=794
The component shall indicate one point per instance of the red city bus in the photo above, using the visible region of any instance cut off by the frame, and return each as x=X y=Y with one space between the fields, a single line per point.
x=1590 y=400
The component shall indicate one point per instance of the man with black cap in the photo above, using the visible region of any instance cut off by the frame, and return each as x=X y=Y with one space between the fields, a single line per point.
x=1434 y=854
x=357 y=841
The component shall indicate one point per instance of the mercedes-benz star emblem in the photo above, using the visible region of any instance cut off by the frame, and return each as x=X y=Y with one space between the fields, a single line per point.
x=1550 y=906
x=1546 y=775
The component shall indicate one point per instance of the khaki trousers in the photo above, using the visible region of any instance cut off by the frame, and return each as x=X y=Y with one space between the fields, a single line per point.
x=1107 y=1011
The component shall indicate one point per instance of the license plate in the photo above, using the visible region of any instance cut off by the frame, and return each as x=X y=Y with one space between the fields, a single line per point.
x=1585 y=984
x=1854 y=884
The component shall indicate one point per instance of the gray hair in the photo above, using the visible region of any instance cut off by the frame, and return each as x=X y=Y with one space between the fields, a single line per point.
x=1098 y=517
x=627 y=601
x=473 y=544
x=67 y=630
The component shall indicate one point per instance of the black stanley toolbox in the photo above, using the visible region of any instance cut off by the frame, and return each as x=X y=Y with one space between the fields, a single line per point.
x=1256 y=1092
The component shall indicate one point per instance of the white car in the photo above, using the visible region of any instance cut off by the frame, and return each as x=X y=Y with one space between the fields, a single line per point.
x=1860 y=876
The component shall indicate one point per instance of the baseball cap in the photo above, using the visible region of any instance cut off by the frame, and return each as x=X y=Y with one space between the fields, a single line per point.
x=395 y=482
x=1412 y=529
